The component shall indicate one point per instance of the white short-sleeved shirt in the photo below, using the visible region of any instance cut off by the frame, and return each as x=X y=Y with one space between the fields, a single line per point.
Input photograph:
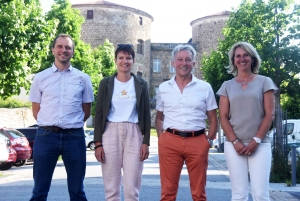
x=246 y=110
x=185 y=111
x=61 y=94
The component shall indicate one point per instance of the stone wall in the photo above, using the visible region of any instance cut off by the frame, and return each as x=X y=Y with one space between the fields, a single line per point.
x=16 y=118
x=120 y=25
x=22 y=118
x=206 y=32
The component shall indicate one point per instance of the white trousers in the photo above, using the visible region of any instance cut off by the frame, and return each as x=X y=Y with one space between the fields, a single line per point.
x=122 y=144
x=259 y=166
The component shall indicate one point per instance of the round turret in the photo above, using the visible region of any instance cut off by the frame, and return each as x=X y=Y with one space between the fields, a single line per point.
x=121 y=25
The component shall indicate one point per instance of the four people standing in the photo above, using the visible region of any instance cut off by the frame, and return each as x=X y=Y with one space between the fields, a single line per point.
x=183 y=105
x=246 y=113
x=122 y=127
x=61 y=99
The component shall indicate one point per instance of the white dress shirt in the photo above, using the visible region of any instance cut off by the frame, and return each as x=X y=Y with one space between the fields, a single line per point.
x=61 y=94
x=185 y=111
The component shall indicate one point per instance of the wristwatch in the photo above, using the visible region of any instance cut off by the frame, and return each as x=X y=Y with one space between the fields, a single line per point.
x=210 y=142
x=257 y=140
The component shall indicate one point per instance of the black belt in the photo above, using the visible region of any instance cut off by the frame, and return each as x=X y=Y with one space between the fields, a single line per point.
x=57 y=129
x=186 y=134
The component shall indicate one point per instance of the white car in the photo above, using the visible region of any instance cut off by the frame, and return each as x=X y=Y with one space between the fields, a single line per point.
x=216 y=144
x=89 y=139
x=3 y=150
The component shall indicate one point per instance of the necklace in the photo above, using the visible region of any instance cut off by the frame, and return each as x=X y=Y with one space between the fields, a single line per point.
x=245 y=80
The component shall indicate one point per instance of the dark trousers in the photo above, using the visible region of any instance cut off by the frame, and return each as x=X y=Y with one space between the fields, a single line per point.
x=48 y=145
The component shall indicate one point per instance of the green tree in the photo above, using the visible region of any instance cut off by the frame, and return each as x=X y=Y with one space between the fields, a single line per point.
x=105 y=66
x=105 y=55
x=24 y=38
x=291 y=105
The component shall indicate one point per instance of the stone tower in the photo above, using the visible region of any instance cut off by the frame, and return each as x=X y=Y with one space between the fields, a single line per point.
x=124 y=25
x=120 y=25
x=205 y=34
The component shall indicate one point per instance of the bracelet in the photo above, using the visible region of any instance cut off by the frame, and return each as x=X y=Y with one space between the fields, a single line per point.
x=235 y=141
x=100 y=145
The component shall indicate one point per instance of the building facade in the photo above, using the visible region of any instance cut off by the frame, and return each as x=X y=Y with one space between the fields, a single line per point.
x=124 y=25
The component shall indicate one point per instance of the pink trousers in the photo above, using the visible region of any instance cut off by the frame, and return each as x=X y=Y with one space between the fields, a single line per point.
x=122 y=143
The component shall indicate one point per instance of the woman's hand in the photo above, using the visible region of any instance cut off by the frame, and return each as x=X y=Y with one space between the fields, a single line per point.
x=250 y=148
x=239 y=148
x=144 y=153
x=99 y=154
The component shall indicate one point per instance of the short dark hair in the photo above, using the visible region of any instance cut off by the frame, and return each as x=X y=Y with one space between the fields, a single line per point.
x=63 y=36
x=128 y=48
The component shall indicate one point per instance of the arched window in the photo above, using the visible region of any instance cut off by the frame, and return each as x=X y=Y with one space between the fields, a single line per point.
x=140 y=46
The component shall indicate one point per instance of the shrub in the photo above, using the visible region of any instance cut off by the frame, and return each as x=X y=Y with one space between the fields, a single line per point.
x=280 y=171
x=14 y=103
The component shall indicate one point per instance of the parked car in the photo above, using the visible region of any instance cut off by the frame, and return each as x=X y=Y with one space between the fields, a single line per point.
x=11 y=153
x=30 y=134
x=89 y=139
x=216 y=144
x=19 y=143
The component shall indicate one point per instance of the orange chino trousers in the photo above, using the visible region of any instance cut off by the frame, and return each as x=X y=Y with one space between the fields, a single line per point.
x=173 y=151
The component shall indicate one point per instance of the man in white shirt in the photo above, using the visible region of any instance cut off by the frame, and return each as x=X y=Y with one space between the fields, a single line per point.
x=183 y=105
x=61 y=99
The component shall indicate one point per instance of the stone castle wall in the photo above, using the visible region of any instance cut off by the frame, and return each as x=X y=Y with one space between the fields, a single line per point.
x=121 y=25
x=206 y=32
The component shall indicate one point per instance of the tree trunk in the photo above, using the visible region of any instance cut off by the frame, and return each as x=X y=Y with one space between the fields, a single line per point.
x=278 y=125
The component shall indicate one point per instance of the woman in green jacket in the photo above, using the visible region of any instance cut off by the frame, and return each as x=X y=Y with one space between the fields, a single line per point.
x=122 y=127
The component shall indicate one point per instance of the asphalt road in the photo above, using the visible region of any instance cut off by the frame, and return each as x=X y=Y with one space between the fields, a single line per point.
x=17 y=184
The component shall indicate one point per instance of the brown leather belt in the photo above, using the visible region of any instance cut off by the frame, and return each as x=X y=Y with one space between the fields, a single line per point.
x=186 y=134
x=57 y=129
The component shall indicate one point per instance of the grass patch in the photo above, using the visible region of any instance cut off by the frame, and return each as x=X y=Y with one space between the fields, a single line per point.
x=3 y=175
x=153 y=132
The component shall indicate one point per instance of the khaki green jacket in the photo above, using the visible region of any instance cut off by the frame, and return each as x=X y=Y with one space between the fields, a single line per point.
x=103 y=105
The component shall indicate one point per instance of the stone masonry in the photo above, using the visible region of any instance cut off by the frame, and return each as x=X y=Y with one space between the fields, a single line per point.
x=16 y=118
x=124 y=25
x=120 y=25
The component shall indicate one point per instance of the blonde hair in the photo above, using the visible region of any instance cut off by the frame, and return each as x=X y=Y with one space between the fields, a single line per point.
x=232 y=69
